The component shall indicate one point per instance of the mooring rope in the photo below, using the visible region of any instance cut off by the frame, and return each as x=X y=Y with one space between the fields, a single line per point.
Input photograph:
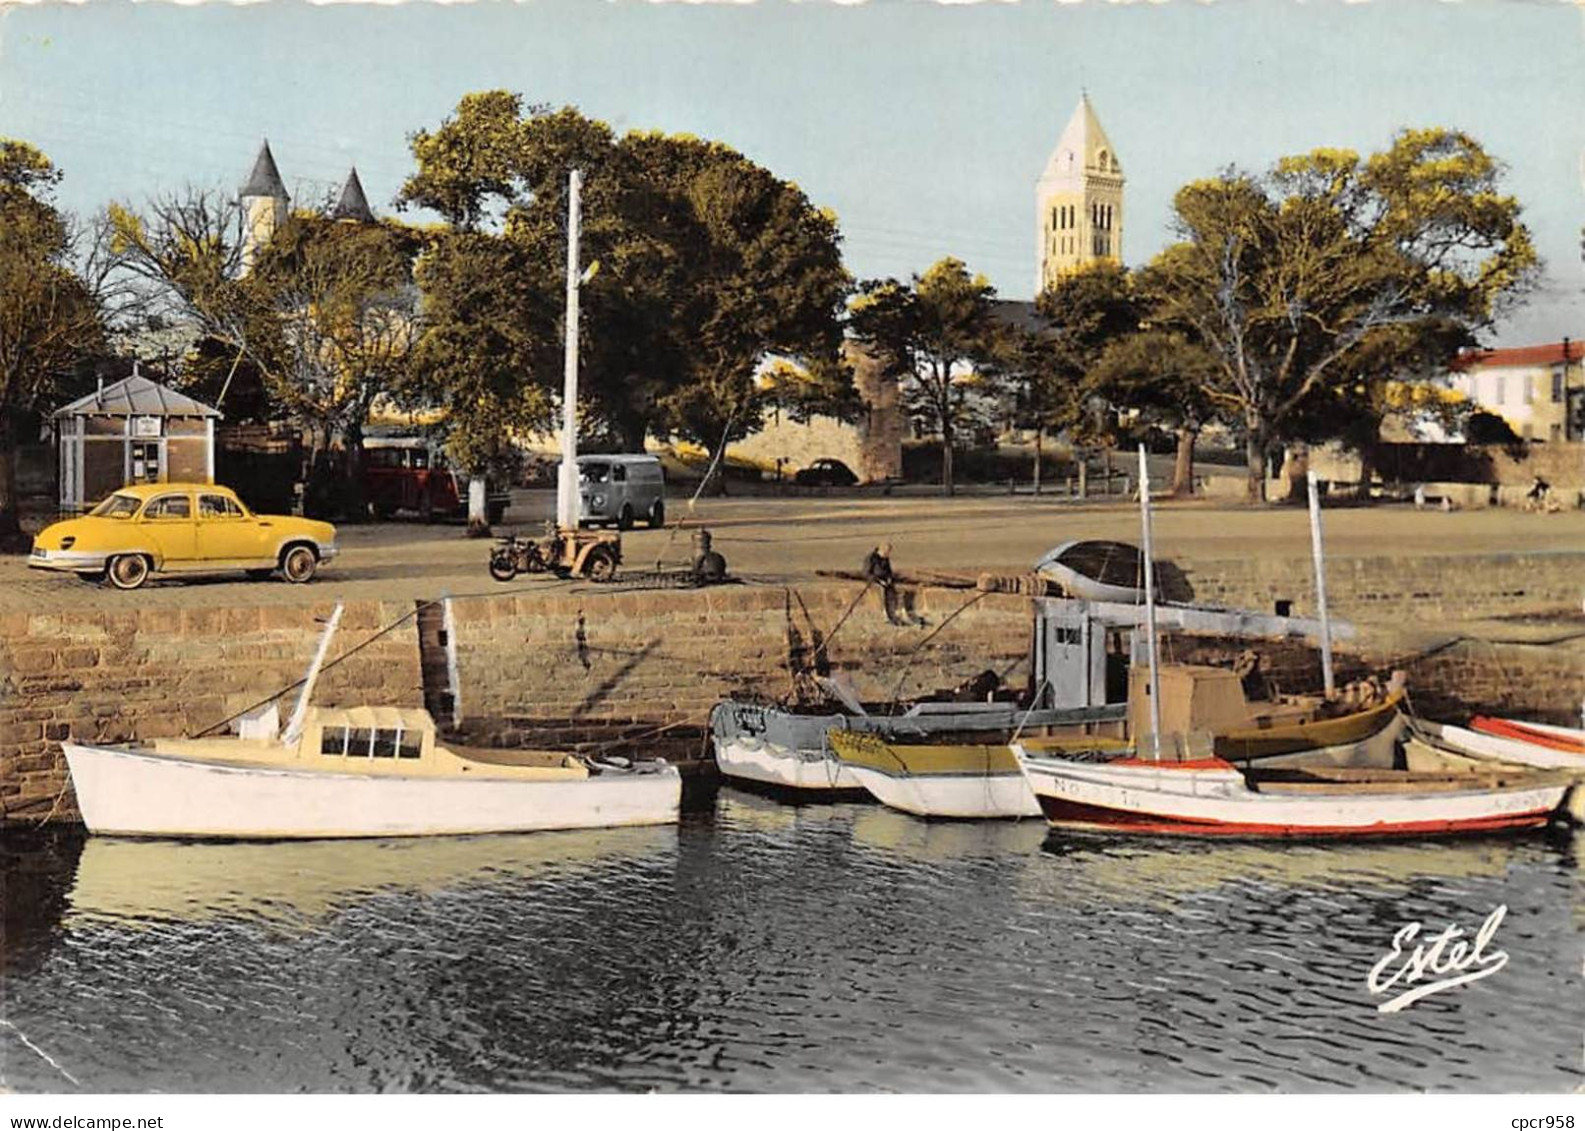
x=897 y=691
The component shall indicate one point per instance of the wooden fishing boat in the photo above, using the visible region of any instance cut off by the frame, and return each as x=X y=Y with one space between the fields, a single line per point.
x=953 y=780
x=1494 y=747
x=950 y=779
x=1211 y=797
x=790 y=750
x=1301 y=731
x=1281 y=789
x=1567 y=739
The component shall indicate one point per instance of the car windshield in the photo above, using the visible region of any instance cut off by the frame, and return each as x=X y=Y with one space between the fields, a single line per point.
x=117 y=506
x=594 y=472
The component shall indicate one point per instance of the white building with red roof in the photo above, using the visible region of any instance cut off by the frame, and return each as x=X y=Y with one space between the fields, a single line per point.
x=1539 y=390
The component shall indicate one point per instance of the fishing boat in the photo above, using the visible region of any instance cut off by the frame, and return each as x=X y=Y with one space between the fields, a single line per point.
x=953 y=780
x=1174 y=782
x=1211 y=797
x=950 y=779
x=1499 y=747
x=1570 y=740
x=355 y=772
x=790 y=749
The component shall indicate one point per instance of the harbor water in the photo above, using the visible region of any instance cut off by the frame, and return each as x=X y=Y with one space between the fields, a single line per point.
x=768 y=947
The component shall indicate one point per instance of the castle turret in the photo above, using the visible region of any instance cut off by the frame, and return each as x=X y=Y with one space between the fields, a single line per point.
x=353 y=205
x=264 y=200
x=1079 y=200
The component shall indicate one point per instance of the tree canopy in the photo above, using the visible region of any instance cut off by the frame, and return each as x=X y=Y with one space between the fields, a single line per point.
x=49 y=318
x=1286 y=278
x=708 y=263
x=938 y=335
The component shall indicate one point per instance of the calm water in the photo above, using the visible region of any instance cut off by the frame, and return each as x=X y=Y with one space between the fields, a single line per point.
x=763 y=947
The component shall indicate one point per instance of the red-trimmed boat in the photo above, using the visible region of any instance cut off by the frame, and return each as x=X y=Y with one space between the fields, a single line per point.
x=1213 y=798
x=1566 y=739
x=1343 y=776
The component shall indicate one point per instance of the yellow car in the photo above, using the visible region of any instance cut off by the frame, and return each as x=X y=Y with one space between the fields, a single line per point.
x=181 y=528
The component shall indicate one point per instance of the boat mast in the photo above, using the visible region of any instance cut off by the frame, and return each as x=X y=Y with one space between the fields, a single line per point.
x=1320 y=585
x=294 y=728
x=1150 y=606
x=567 y=478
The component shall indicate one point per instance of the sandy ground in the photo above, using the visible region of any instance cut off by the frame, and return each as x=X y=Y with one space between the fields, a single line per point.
x=777 y=539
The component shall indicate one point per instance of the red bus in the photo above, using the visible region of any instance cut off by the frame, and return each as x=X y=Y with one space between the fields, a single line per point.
x=409 y=473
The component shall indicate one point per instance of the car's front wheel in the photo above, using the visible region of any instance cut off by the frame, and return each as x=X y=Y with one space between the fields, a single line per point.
x=128 y=571
x=298 y=565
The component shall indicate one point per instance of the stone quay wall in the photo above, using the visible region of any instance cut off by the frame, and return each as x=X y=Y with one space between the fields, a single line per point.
x=607 y=668
x=590 y=667
x=1389 y=589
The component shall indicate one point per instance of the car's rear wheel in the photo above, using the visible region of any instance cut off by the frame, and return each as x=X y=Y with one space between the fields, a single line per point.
x=657 y=515
x=298 y=564
x=128 y=571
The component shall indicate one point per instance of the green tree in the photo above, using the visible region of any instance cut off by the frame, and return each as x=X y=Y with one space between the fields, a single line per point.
x=49 y=319
x=490 y=324
x=1285 y=277
x=327 y=317
x=708 y=262
x=342 y=312
x=1161 y=376
x=1079 y=317
x=938 y=336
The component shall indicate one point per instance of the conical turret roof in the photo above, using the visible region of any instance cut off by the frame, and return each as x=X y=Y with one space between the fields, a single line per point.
x=1082 y=148
x=353 y=205
x=265 y=180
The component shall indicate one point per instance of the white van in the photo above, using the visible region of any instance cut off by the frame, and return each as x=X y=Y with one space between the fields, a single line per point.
x=620 y=489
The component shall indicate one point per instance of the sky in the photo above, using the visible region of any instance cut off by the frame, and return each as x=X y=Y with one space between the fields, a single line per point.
x=923 y=126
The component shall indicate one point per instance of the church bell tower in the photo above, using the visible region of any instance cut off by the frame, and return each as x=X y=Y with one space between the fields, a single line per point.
x=1079 y=201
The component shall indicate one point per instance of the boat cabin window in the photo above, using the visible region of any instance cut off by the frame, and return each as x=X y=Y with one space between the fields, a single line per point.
x=363 y=742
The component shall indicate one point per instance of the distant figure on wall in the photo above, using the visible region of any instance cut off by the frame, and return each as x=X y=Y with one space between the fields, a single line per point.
x=878 y=571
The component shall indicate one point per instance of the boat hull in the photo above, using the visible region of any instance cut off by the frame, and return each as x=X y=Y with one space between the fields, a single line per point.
x=1478 y=744
x=1564 y=739
x=1211 y=799
x=132 y=793
x=765 y=763
x=956 y=797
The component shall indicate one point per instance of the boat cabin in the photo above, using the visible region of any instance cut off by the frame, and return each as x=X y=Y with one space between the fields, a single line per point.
x=356 y=734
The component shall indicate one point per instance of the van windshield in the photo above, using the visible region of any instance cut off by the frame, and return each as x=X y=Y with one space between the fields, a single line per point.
x=117 y=506
x=594 y=472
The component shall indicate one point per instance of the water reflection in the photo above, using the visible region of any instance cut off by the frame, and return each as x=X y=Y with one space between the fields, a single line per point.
x=767 y=947
x=297 y=882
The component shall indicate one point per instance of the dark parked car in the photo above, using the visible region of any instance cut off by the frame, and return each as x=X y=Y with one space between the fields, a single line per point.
x=825 y=473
